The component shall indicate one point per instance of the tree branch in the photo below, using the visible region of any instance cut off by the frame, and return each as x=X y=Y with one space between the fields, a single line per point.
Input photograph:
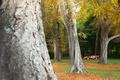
x=113 y=37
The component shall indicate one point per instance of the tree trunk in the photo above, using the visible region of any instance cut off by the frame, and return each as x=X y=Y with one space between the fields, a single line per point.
x=70 y=24
x=59 y=41
x=56 y=40
x=56 y=49
x=97 y=41
x=105 y=29
x=104 y=44
x=23 y=51
x=86 y=50
x=54 y=33
x=77 y=63
x=104 y=47
x=119 y=3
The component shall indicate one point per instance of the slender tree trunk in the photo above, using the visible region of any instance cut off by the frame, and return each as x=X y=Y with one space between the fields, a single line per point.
x=59 y=41
x=86 y=50
x=54 y=33
x=56 y=49
x=23 y=51
x=97 y=41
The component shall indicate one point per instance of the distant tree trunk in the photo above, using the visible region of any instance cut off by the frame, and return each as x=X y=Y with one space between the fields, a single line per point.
x=56 y=40
x=54 y=33
x=92 y=49
x=70 y=24
x=56 y=49
x=105 y=29
x=104 y=45
x=86 y=50
x=23 y=51
x=59 y=41
x=119 y=3
x=97 y=41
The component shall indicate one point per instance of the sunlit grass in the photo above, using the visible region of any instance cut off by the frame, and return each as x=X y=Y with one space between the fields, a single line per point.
x=96 y=71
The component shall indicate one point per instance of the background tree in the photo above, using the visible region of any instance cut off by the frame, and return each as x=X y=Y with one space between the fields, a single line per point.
x=67 y=12
x=23 y=51
x=51 y=21
x=108 y=14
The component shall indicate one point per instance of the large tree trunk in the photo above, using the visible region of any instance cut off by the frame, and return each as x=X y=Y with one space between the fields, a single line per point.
x=70 y=24
x=105 y=29
x=23 y=51
x=77 y=63
x=104 y=46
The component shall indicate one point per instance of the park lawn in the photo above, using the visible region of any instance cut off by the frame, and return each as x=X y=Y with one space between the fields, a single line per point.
x=96 y=71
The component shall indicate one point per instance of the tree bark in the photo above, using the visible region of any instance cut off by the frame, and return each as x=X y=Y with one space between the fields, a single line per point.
x=105 y=29
x=56 y=49
x=23 y=51
x=59 y=41
x=70 y=24
x=104 y=47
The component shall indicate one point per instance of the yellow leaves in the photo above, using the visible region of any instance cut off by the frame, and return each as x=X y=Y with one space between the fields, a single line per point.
x=115 y=3
x=83 y=14
x=82 y=35
x=109 y=11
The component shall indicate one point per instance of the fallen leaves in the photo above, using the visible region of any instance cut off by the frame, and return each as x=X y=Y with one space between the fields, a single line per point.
x=96 y=71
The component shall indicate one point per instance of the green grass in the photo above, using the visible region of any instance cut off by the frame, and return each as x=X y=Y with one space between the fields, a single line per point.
x=103 y=72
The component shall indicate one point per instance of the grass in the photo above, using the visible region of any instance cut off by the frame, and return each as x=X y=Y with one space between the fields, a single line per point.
x=96 y=71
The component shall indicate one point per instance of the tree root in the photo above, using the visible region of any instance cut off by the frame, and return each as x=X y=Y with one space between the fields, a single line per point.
x=79 y=69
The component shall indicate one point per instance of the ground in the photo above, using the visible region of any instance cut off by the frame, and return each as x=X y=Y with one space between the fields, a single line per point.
x=96 y=71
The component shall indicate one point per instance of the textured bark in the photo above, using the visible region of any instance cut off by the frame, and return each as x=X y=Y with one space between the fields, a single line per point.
x=70 y=24
x=104 y=45
x=23 y=51
x=106 y=27
x=56 y=50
